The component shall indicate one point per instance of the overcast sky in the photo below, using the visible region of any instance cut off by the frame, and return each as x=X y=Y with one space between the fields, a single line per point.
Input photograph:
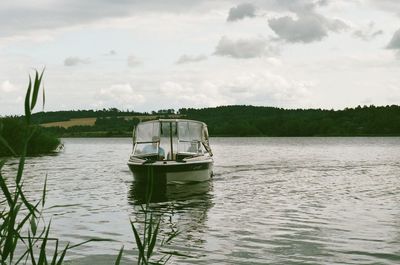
x=156 y=54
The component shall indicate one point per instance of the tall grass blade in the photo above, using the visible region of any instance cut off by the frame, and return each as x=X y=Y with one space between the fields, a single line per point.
x=35 y=90
x=22 y=257
x=5 y=190
x=30 y=207
x=44 y=98
x=42 y=255
x=90 y=240
x=30 y=248
x=33 y=225
x=44 y=191
x=9 y=243
x=27 y=106
x=21 y=164
x=176 y=253
x=153 y=240
x=54 y=260
x=26 y=218
x=172 y=236
x=139 y=244
x=118 y=261
x=36 y=87
x=60 y=261
x=149 y=229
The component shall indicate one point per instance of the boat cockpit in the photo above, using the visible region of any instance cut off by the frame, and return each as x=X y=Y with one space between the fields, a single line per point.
x=170 y=140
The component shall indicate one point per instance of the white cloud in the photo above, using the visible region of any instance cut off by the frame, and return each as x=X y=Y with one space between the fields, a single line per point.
x=191 y=59
x=394 y=43
x=7 y=87
x=133 y=61
x=19 y=17
x=73 y=61
x=368 y=33
x=120 y=95
x=305 y=28
x=241 y=11
x=183 y=93
x=244 y=48
x=266 y=88
x=256 y=87
x=111 y=53
x=392 y=6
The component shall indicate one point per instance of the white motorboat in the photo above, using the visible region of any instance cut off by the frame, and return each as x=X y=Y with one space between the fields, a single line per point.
x=171 y=151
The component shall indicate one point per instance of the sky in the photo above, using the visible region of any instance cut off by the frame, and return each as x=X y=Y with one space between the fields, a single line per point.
x=163 y=54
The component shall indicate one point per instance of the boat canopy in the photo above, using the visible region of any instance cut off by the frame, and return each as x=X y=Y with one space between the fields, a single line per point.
x=171 y=137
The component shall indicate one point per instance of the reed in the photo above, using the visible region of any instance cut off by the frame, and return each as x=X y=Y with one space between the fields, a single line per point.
x=23 y=229
x=147 y=239
x=24 y=233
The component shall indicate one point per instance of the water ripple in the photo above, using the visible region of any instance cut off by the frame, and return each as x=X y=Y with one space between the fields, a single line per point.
x=271 y=201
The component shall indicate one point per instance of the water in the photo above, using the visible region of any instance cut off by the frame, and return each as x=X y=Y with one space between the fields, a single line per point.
x=271 y=201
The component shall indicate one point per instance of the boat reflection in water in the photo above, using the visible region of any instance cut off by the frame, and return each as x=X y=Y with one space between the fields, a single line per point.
x=182 y=207
x=195 y=192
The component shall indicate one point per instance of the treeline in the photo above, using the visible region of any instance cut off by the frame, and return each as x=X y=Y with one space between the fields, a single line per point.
x=269 y=121
x=242 y=121
x=14 y=131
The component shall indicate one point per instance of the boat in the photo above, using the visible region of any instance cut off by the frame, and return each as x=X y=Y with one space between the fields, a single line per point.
x=171 y=151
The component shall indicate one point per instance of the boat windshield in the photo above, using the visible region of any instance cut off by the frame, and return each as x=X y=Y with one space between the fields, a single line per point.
x=145 y=132
x=171 y=139
x=190 y=136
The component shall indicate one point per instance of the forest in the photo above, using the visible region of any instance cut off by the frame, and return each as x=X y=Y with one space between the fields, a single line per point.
x=239 y=120
x=269 y=121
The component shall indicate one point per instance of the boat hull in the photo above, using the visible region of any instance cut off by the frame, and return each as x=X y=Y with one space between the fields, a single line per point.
x=172 y=172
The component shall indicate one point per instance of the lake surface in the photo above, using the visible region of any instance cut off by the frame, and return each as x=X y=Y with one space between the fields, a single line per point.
x=271 y=201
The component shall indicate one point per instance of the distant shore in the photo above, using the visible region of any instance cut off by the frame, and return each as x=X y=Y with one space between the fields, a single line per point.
x=232 y=121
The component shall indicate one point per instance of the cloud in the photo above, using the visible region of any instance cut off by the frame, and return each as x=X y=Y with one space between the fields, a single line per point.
x=394 y=43
x=120 y=95
x=256 y=88
x=241 y=11
x=367 y=33
x=392 y=6
x=295 y=6
x=244 y=48
x=305 y=28
x=268 y=88
x=190 y=59
x=18 y=17
x=7 y=87
x=73 y=61
x=111 y=53
x=133 y=61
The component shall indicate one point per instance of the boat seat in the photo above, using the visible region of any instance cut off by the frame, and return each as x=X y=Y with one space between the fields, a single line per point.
x=180 y=157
